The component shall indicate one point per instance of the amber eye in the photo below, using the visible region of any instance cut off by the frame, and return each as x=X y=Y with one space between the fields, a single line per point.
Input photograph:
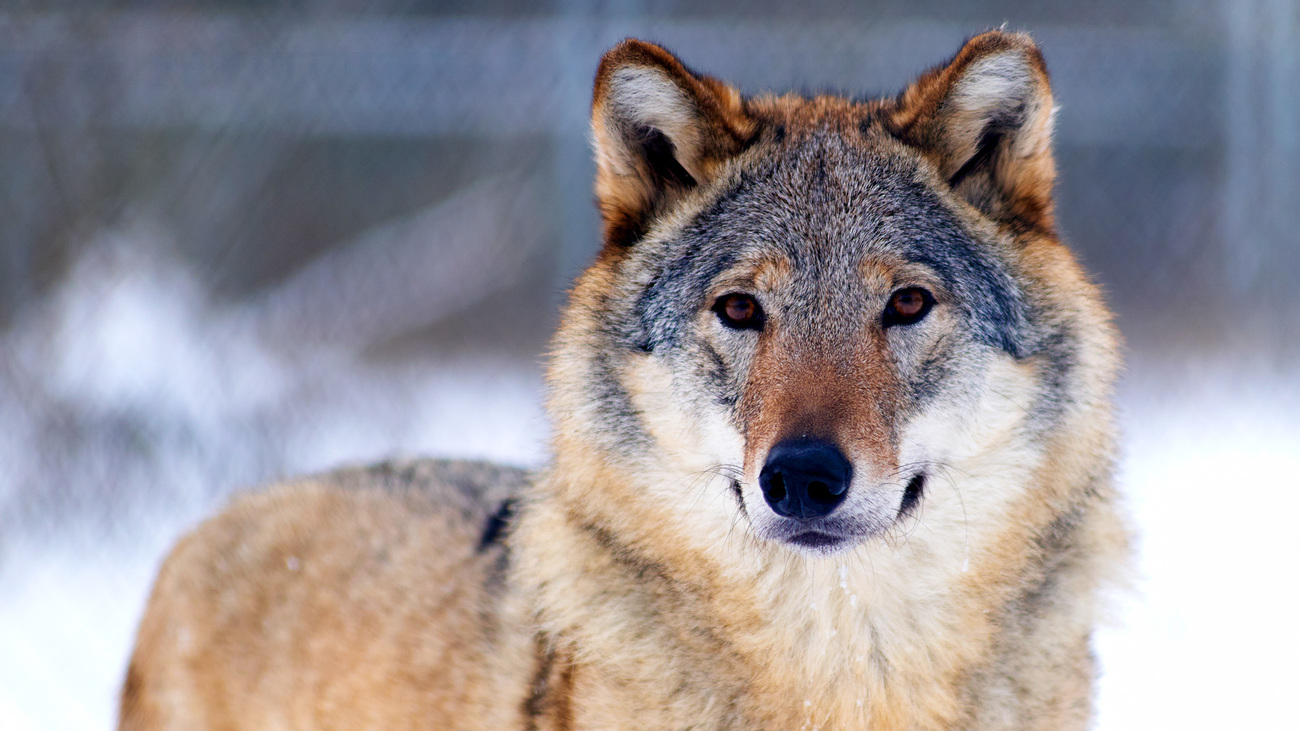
x=739 y=311
x=907 y=306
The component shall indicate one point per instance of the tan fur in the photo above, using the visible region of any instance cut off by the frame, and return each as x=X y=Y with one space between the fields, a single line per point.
x=328 y=603
x=636 y=588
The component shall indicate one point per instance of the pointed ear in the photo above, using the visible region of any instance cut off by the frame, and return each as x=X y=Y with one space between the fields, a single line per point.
x=659 y=130
x=985 y=121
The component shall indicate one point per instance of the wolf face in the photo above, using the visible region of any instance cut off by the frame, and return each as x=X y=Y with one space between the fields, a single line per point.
x=815 y=297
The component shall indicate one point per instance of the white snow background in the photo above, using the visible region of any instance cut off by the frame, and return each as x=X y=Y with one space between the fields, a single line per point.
x=131 y=385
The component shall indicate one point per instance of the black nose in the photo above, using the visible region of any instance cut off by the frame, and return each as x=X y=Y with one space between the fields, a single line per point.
x=805 y=478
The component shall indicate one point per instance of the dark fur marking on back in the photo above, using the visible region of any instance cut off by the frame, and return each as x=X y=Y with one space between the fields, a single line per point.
x=498 y=525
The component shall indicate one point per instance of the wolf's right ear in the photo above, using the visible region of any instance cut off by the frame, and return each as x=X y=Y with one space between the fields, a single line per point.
x=660 y=130
x=985 y=121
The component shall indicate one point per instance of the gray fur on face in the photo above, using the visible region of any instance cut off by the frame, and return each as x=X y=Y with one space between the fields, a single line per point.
x=825 y=209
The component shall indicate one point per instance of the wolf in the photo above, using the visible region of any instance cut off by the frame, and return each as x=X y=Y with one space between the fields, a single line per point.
x=832 y=448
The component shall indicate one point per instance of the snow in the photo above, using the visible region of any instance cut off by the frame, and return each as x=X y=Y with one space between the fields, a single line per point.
x=1212 y=473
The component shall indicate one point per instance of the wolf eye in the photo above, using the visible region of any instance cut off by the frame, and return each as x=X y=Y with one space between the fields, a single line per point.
x=739 y=311
x=907 y=306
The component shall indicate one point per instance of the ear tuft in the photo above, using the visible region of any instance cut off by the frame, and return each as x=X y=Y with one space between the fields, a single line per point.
x=985 y=121
x=660 y=130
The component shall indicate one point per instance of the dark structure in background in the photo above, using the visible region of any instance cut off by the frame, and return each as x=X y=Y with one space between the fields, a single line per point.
x=264 y=134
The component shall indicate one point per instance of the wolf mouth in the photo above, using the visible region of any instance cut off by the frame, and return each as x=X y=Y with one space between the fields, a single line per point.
x=814 y=539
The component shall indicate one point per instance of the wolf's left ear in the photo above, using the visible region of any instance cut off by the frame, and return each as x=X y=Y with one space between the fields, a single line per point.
x=985 y=121
x=660 y=130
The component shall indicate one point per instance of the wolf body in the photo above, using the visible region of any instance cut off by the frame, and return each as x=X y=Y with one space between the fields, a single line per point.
x=832 y=449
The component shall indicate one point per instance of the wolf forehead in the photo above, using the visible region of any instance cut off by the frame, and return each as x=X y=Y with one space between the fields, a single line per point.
x=821 y=201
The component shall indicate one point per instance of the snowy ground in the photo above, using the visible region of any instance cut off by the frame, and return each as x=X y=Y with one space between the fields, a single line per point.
x=1212 y=472
x=1205 y=640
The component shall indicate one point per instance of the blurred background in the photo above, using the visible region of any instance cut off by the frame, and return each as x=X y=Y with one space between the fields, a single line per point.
x=244 y=240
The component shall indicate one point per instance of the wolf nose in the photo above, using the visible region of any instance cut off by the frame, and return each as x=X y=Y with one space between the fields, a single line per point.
x=805 y=478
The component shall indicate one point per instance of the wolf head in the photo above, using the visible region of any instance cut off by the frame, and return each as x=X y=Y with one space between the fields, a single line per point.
x=810 y=315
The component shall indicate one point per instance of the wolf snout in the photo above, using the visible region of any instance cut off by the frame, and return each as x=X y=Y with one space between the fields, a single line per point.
x=805 y=478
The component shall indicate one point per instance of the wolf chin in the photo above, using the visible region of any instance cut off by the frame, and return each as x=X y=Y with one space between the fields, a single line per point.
x=832 y=449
